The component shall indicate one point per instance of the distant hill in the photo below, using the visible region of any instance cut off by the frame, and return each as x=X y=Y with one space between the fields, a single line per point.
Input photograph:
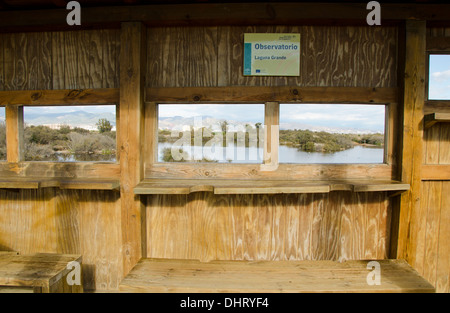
x=179 y=123
x=74 y=119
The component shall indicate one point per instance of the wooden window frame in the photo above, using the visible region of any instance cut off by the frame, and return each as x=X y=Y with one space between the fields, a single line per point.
x=16 y=167
x=240 y=95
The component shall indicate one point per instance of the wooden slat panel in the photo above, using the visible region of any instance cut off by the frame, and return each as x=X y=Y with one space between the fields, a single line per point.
x=432 y=231
x=443 y=263
x=336 y=226
x=58 y=60
x=334 y=56
x=436 y=172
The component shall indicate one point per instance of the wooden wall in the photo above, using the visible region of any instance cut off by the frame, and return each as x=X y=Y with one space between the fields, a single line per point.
x=66 y=221
x=336 y=226
x=59 y=60
x=330 y=56
x=432 y=258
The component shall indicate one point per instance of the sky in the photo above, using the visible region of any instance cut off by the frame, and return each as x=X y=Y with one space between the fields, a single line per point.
x=439 y=81
x=361 y=117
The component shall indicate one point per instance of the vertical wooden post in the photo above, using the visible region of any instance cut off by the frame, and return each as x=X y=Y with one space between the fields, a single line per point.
x=271 y=141
x=132 y=71
x=412 y=156
x=14 y=133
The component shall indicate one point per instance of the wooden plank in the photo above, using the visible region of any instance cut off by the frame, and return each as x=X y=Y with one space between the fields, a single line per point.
x=35 y=270
x=435 y=172
x=443 y=263
x=219 y=13
x=437 y=44
x=433 y=215
x=96 y=62
x=14 y=134
x=444 y=144
x=132 y=73
x=433 y=118
x=58 y=60
x=251 y=94
x=271 y=136
x=152 y=275
x=224 y=186
x=71 y=59
x=89 y=184
x=61 y=97
x=435 y=106
x=45 y=53
x=412 y=155
x=283 y=172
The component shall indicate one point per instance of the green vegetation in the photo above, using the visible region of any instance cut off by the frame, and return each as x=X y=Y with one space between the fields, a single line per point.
x=310 y=141
x=43 y=143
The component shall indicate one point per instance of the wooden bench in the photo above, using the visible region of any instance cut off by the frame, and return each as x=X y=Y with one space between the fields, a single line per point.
x=38 y=273
x=192 y=276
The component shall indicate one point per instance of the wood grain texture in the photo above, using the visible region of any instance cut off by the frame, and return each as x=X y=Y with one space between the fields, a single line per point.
x=191 y=276
x=132 y=68
x=336 y=226
x=412 y=155
x=334 y=56
x=67 y=221
x=59 y=60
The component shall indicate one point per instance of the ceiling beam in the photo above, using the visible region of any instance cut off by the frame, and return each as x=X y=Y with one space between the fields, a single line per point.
x=225 y=14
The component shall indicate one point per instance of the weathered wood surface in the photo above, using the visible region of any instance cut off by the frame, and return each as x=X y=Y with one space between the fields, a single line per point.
x=412 y=143
x=223 y=186
x=84 y=222
x=253 y=171
x=155 y=275
x=332 y=56
x=60 y=97
x=323 y=226
x=433 y=118
x=262 y=94
x=43 y=272
x=85 y=59
x=131 y=140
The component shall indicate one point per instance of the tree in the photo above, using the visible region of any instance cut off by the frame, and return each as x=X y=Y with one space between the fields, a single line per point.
x=104 y=125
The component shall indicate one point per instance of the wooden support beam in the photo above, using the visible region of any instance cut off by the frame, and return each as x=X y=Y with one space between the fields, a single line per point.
x=223 y=14
x=132 y=71
x=412 y=155
x=14 y=134
x=60 y=97
x=436 y=172
x=341 y=95
x=271 y=138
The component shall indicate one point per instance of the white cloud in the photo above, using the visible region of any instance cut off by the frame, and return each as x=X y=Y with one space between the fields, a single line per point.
x=441 y=76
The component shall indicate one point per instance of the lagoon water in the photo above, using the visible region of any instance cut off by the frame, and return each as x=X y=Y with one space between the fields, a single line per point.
x=233 y=154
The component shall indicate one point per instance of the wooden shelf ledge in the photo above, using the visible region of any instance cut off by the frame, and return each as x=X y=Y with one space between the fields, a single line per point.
x=39 y=273
x=191 y=276
x=59 y=182
x=228 y=186
x=433 y=118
